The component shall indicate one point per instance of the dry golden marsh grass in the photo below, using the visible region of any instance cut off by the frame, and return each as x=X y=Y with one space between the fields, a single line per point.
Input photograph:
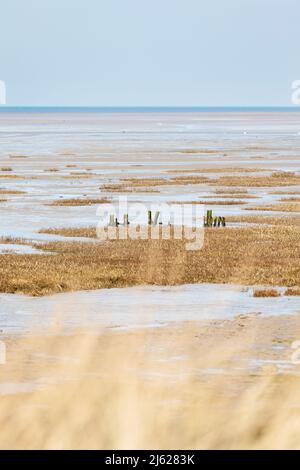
x=96 y=392
x=133 y=184
x=286 y=221
x=290 y=199
x=266 y=293
x=10 y=176
x=279 y=207
x=274 y=180
x=120 y=188
x=11 y=192
x=80 y=202
x=265 y=255
x=285 y=193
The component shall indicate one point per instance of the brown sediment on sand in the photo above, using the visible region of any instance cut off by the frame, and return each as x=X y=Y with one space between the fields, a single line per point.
x=230 y=196
x=79 y=202
x=230 y=191
x=83 y=173
x=248 y=256
x=120 y=188
x=198 y=151
x=18 y=156
x=74 y=177
x=226 y=373
x=209 y=202
x=221 y=170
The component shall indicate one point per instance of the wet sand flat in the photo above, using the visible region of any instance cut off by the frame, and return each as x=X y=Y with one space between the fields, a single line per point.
x=64 y=156
x=196 y=349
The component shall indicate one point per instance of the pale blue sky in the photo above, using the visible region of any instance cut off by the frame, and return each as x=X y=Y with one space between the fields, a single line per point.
x=149 y=52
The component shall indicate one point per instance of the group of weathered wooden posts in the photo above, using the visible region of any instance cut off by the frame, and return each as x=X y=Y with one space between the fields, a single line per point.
x=209 y=220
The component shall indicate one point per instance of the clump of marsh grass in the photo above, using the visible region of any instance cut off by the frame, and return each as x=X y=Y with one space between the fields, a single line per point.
x=266 y=293
x=283 y=174
x=11 y=191
x=292 y=291
x=79 y=202
x=52 y=170
x=120 y=188
x=10 y=176
x=290 y=199
x=6 y=168
x=281 y=179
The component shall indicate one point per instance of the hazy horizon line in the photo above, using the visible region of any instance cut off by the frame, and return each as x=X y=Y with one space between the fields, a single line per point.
x=12 y=108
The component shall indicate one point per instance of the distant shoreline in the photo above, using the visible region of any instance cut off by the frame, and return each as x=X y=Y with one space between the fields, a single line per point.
x=146 y=109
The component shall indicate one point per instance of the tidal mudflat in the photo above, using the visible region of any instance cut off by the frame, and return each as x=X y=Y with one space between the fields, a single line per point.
x=66 y=299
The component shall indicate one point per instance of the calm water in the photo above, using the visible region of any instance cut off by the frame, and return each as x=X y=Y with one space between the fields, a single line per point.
x=136 y=307
x=46 y=132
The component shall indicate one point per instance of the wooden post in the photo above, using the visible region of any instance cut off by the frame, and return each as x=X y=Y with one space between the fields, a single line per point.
x=209 y=218
x=156 y=218
x=149 y=218
x=126 y=219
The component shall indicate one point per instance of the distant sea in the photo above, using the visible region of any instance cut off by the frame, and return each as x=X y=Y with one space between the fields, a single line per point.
x=145 y=109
